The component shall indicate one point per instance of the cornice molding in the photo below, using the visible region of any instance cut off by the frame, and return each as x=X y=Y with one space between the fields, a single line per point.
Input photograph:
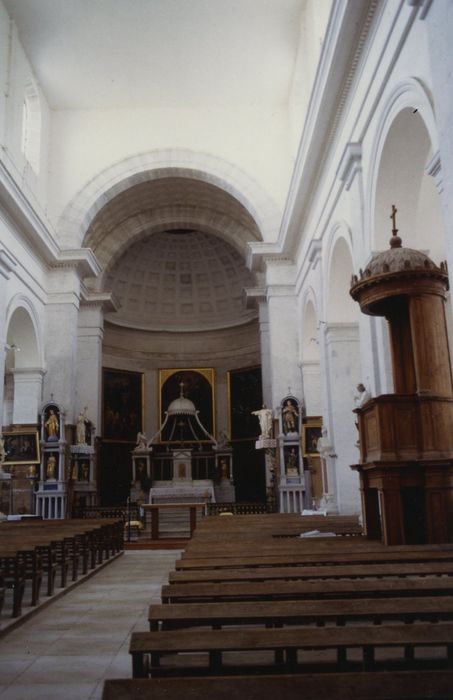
x=254 y=295
x=258 y=250
x=105 y=301
x=7 y=264
x=280 y=290
x=24 y=216
x=350 y=164
x=342 y=51
x=81 y=259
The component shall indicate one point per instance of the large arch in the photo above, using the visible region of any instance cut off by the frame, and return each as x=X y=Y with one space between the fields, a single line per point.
x=23 y=334
x=338 y=269
x=405 y=141
x=23 y=363
x=157 y=164
x=310 y=360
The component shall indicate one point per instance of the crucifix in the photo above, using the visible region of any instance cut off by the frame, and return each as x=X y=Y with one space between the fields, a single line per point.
x=393 y=218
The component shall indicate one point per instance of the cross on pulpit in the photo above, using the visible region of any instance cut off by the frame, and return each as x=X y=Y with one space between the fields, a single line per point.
x=393 y=218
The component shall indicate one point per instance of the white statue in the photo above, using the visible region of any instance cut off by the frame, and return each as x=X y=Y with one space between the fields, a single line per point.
x=223 y=439
x=362 y=396
x=323 y=445
x=142 y=442
x=82 y=421
x=265 y=418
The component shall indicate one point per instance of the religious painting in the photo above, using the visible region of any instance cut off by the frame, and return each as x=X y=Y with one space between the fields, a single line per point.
x=21 y=447
x=244 y=396
x=312 y=433
x=197 y=385
x=122 y=405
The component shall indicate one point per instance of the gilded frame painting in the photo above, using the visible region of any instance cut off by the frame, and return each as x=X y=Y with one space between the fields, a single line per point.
x=122 y=405
x=311 y=432
x=22 y=447
x=198 y=386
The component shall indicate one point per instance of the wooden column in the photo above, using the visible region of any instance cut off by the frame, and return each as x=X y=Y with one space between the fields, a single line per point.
x=430 y=343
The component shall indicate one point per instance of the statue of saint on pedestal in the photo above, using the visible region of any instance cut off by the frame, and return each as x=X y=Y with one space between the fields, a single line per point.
x=290 y=417
x=51 y=467
x=82 y=422
x=52 y=426
x=265 y=417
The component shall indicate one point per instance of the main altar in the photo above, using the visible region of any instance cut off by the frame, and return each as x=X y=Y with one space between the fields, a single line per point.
x=183 y=462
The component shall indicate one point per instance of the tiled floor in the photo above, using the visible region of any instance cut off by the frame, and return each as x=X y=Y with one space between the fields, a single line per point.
x=67 y=650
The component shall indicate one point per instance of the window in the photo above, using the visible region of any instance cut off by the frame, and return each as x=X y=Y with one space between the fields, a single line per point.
x=31 y=126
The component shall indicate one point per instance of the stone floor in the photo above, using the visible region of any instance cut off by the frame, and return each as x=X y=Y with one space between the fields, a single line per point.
x=67 y=650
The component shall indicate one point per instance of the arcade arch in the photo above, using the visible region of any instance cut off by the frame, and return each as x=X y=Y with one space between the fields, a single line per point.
x=23 y=365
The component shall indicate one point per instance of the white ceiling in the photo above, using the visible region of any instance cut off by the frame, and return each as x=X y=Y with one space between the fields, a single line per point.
x=91 y=54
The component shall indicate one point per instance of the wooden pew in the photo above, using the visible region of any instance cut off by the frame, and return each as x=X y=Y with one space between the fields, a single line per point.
x=307 y=559
x=211 y=645
x=300 y=612
x=28 y=548
x=12 y=567
x=32 y=569
x=404 y=685
x=305 y=573
x=297 y=590
x=269 y=546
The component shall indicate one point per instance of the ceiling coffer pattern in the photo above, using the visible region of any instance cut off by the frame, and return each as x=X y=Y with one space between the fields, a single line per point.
x=180 y=281
x=172 y=251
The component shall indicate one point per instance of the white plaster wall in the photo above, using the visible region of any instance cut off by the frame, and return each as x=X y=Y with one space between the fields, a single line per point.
x=15 y=71
x=256 y=143
x=312 y=387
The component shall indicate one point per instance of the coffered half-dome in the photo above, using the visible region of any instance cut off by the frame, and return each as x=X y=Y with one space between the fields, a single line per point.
x=180 y=280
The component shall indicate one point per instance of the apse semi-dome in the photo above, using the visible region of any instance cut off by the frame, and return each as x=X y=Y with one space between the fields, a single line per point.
x=180 y=280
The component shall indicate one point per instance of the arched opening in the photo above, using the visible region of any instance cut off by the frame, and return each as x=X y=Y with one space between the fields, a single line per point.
x=23 y=373
x=311 y=371
x=403 y=181
x=31 y=126
x=342 y=361
x=340 y=308
x=172 y=251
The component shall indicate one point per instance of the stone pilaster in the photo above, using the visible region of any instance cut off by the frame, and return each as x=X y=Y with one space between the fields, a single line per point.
x=90 y=333
x=27 y=394
x=7 y=264
x=61 y=338
x=342 y=357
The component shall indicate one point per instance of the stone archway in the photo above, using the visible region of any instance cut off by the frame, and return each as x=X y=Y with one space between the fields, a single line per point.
x=342 y=367
x=23 y=365
x=78 y=215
